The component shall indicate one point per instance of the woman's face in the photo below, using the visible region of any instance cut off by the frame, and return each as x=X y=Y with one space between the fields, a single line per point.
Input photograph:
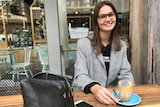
x=106 y=19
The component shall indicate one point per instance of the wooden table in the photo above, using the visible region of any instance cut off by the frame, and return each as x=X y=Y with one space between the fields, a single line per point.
x=150 y=96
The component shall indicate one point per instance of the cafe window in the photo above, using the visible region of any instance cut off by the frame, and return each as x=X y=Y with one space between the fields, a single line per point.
x=20 y=21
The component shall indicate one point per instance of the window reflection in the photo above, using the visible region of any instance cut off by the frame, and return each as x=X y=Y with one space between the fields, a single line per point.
x=22 y=24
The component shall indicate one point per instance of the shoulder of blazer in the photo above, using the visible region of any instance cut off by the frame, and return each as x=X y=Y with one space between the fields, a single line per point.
x=84 y=41
x=123 y=45
x=84 y=45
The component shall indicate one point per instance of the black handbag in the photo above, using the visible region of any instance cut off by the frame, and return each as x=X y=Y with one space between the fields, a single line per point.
x=47 y=90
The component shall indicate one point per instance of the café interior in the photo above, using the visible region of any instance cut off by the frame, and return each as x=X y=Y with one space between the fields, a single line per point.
x=39 y=36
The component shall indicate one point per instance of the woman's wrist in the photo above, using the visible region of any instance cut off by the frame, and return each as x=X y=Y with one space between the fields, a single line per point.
x=94 y=88
x=87 y=88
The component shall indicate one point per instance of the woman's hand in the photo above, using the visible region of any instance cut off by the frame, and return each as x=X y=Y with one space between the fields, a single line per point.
x=103 y=95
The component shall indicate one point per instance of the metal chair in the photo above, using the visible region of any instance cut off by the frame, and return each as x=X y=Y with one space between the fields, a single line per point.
x=4 y=63
x=23 y=68
x=44 y=63
x=34 y=58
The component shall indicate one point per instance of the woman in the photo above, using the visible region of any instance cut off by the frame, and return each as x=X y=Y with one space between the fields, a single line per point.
x=102 y=60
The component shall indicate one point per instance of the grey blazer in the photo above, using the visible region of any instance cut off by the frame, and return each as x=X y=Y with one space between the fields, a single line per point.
x=91 y=68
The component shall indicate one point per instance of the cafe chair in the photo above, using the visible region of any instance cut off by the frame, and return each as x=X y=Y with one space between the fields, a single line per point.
x=35 y=58
x=4 y=63
x=23 y=68
x=44 y=62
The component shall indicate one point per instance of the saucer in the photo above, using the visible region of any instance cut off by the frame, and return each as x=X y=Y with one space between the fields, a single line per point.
x=135 y=99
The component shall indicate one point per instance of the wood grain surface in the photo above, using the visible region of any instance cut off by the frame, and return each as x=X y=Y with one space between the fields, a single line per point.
x=150 y=96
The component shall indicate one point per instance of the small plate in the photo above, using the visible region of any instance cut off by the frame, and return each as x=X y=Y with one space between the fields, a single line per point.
x=135 y=99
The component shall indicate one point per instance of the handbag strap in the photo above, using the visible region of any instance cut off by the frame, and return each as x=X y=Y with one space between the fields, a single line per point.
x=39 y=73
x=47 y=75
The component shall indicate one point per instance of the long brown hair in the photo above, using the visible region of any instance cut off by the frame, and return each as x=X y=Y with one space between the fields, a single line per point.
x=96 y=41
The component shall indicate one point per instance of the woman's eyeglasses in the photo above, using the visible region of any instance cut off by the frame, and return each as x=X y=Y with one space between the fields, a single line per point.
x=104 y=16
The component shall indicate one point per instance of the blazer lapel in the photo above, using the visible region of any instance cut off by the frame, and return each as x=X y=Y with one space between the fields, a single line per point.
x=112 y=65
x=100 y=57
x=113 y=61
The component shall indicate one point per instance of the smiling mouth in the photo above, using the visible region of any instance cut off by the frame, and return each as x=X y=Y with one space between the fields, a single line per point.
x=108 y=25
